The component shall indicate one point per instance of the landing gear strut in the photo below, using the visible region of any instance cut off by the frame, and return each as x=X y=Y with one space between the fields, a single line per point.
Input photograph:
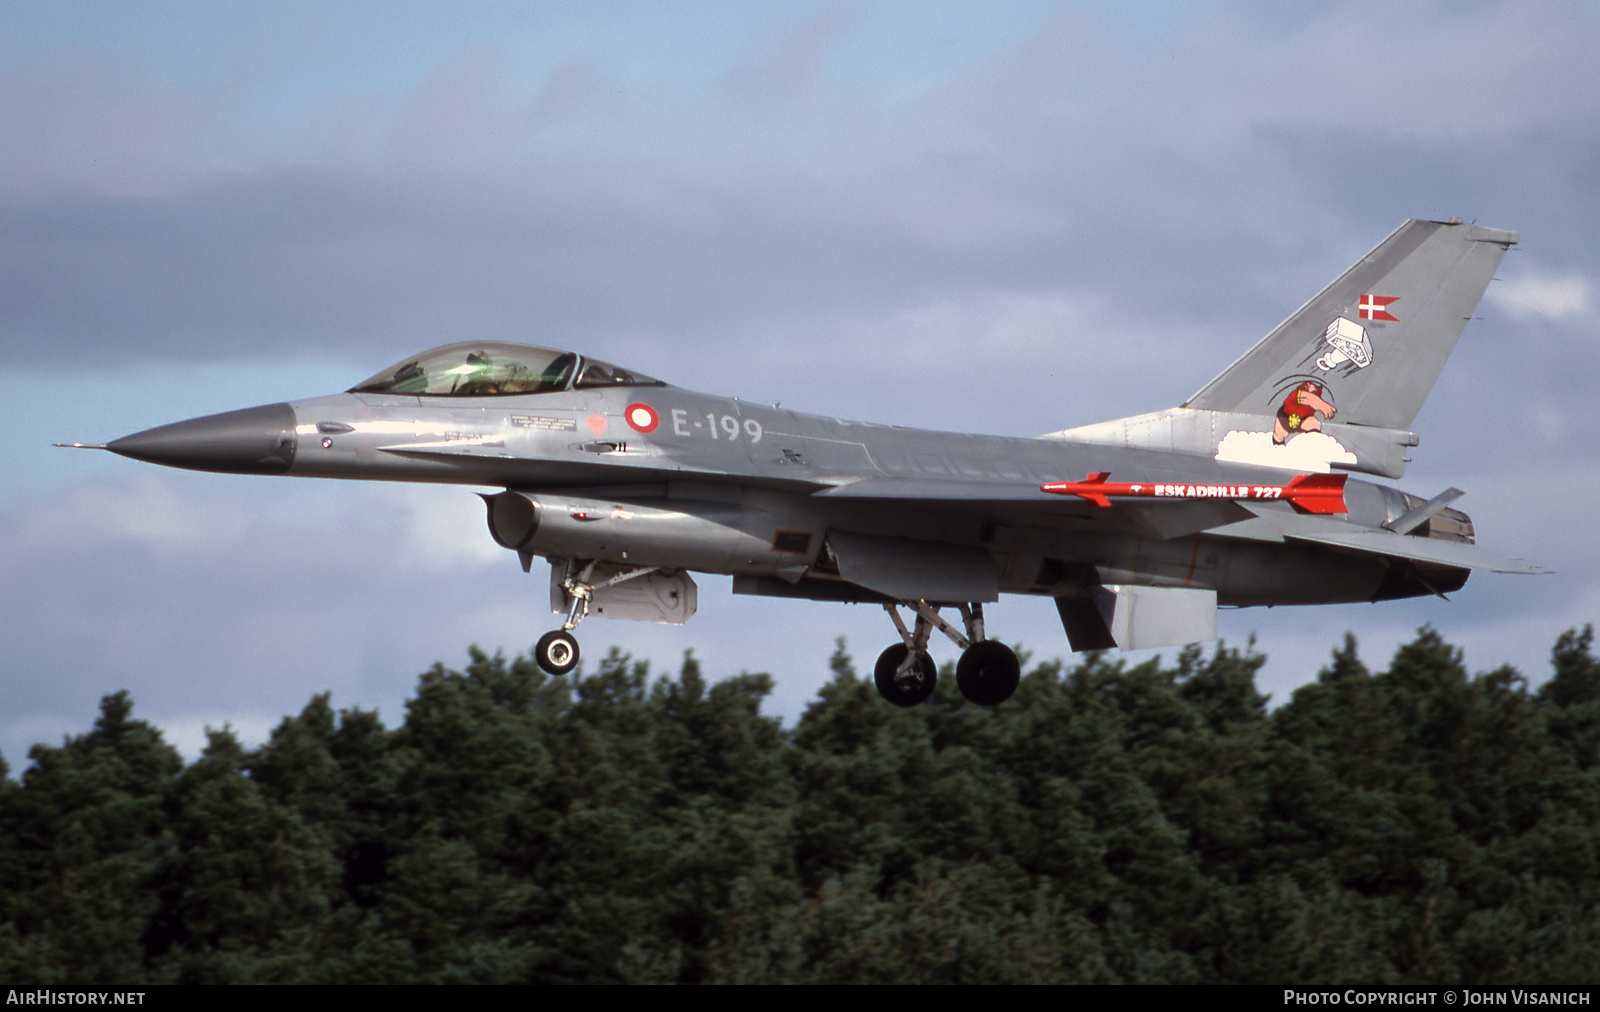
x=987 y=673
x=557 y=650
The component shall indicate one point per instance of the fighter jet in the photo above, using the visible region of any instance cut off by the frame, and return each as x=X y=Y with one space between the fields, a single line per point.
x=1139 y=528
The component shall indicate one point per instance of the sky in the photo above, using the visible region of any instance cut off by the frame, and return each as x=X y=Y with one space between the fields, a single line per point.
x=1004 y=218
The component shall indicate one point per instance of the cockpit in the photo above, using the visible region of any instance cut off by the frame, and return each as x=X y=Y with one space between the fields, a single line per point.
x=498 y=369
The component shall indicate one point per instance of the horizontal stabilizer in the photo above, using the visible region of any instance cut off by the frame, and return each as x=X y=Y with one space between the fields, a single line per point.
x=1438 y=551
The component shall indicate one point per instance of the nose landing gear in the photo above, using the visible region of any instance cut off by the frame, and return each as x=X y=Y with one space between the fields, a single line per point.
x=557 y=650
x=987 y=673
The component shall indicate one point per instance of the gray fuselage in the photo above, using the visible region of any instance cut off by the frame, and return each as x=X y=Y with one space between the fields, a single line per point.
x=716 y=480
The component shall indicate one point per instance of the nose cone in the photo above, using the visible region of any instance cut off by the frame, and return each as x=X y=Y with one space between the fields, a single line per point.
x=253 y=441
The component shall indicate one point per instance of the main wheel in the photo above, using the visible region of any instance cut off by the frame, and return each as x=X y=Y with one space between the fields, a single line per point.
x=557 y=651
x=908 y=691
x=988 y=673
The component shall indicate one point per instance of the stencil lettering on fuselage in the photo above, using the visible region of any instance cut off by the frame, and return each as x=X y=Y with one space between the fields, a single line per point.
x=545 y=422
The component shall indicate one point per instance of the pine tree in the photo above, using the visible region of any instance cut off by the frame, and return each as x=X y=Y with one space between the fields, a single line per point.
x=82 y=834
x=245 y=883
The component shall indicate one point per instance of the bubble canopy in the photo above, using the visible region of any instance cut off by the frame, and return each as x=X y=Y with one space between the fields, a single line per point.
x=498 y=369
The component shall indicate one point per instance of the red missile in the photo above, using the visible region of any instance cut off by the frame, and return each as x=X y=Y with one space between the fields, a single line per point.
x=1308 y=493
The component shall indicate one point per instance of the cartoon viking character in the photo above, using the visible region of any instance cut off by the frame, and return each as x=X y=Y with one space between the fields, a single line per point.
x=1298 y=412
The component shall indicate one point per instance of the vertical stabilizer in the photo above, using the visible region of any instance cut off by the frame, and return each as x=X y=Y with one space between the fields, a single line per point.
x=1371 y=345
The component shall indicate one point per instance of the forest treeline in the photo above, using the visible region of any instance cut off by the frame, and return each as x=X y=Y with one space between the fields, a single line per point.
x=1108 y=823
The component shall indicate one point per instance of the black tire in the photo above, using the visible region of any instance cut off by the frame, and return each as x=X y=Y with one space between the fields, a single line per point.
x=988 y=673
x=911 y=691
x=557 y=651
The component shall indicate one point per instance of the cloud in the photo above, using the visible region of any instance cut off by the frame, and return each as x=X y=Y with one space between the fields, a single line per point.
x=1182 y=177
x=1552 y=297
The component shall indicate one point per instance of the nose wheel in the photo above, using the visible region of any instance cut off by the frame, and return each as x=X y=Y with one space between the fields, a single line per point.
x=557 y=651
x=987 y=673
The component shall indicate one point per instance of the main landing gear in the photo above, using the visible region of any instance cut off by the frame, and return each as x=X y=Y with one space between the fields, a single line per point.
x=987 y=673
x=557 y=650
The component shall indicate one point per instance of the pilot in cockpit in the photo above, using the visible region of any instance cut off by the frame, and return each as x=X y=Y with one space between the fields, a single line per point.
x=490 y=369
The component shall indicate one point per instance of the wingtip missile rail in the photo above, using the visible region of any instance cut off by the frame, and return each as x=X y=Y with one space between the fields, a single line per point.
x=1309 y=493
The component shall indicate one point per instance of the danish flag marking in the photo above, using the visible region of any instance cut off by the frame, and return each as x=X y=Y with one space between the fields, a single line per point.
x=1375 y=307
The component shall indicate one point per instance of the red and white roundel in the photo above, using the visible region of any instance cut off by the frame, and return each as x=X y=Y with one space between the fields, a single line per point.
x=642 y=417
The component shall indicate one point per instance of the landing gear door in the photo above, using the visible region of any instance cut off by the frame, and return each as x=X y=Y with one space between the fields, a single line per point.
x=653 y=597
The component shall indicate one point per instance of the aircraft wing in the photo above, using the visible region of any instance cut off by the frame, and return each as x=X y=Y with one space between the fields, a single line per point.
x=1177 y=518
x=1169 y=519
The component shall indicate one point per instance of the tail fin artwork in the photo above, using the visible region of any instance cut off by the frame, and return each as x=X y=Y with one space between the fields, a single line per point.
x=1379 y=335
x=1339 y=382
